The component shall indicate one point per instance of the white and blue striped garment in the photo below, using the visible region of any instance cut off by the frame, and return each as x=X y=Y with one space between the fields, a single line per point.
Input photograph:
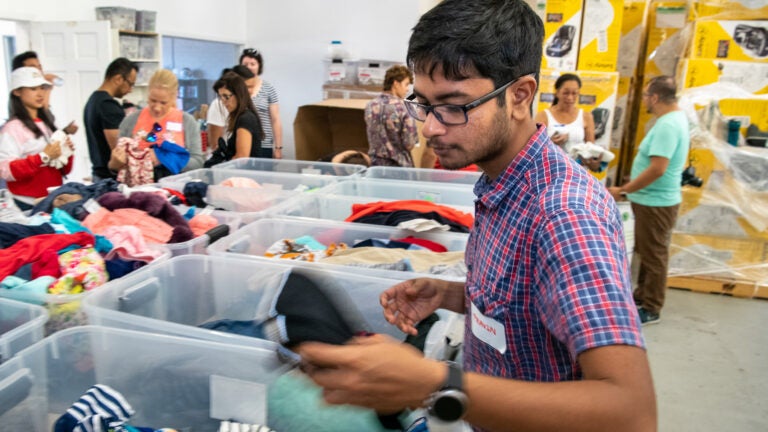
x=99 y=406
x=266 y=96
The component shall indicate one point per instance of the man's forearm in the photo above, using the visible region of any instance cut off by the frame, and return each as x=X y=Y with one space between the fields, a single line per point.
x=453 y=299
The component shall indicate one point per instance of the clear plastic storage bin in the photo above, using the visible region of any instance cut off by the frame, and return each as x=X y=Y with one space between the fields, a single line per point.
x=422 y=174
x=185 y=384
x=446 y=194
x=198 y=244
x=21 y=325
x=251 y=203
x=292 y=166
x=182 y=293
x=254 y=239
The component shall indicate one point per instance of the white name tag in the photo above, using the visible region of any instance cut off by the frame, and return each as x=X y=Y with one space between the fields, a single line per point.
x=488 y=330
x=173 y=126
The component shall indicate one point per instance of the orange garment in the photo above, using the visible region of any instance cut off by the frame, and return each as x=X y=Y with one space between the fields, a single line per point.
x=145 y=124
x=360 y=210
x=152 y=229
x=470 y=167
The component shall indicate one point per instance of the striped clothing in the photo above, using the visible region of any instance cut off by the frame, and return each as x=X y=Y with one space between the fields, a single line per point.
x=547 y=261
x=266 y=96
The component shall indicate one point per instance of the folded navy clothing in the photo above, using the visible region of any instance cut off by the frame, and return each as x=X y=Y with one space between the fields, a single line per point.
x=75 y=208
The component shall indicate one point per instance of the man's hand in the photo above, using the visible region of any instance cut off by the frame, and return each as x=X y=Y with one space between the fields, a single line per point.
x=71 y=128
x=616 y=193
x=559 y=138
x=409 y=302
x=376 y=372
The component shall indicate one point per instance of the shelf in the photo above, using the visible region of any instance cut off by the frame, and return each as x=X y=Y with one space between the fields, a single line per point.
x=137 y=33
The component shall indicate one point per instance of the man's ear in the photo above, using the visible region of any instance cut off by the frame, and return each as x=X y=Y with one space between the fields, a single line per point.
x=520 y=97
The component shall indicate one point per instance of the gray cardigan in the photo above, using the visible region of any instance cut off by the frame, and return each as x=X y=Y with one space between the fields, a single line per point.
x=192 y=140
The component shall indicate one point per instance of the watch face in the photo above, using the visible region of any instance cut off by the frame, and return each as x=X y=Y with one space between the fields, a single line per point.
x=449 y=406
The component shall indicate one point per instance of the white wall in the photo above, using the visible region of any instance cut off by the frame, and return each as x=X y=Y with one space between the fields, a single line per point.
x=200 y=19
x=293 y=36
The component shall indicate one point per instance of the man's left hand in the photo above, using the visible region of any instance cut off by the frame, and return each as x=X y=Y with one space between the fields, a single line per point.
x=71 y=128
x=616 y=193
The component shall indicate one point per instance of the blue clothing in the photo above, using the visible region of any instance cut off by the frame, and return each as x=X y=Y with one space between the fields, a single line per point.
x=668 y=138
x=547 y=262
x=172 y=156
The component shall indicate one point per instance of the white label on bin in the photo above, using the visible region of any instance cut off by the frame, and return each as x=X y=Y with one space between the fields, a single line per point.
x=244 y=401
x=311 y=171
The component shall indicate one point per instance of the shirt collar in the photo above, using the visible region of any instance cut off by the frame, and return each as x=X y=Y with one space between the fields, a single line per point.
x=491 y=193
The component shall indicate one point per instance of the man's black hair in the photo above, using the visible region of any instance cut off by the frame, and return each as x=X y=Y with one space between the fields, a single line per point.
x=120 y=66
x=19 y=60
x=496 y=39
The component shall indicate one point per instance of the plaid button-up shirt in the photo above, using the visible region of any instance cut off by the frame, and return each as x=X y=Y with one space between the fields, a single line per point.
x=547 y=261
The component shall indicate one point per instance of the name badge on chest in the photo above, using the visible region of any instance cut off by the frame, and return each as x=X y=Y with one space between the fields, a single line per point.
x=173 y=126
x=488 y=330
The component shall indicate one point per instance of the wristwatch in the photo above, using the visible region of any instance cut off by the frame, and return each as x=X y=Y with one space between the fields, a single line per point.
x=450 y=403
x=44 y=157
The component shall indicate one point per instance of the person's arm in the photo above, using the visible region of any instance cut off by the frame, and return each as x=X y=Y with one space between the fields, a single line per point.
x=111 y=115
x=589 y=127
x=118 y=158
x=409 y=134
x=193 y=143
x=216 y=120
x=656 y=169
x=277 y=130
x=111 y=135
x=243 y=143
x=214 y=133
x=125 y=130
x=409 y=302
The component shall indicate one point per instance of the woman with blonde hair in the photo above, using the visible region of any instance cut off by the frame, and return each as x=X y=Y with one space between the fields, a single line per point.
x=160 y=134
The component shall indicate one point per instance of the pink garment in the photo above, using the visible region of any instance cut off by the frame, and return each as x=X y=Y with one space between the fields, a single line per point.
x=240 y=182
x=152 y=229
x=128 y=244
x=139 y=169
x=201 y=223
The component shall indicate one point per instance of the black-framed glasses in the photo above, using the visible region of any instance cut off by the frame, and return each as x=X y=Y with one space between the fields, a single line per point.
x=226 y=97
x=450 y=114
x=152 y=136
x=251 y=52
x=131 y=84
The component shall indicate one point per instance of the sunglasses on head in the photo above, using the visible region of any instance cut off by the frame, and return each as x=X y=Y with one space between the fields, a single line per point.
x=152 y=136
x=251 y=52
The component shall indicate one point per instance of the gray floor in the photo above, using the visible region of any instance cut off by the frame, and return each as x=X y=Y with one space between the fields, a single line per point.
x=709 y=356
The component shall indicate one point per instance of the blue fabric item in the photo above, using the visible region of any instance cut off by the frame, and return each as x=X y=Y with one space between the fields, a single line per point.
x=243 y=328
x=118 y=267
x=420 y=425
x=100 y=409
x=189 y=214
x=10 y=233
x=311 y=243
x=103 y=245
x=195 y=193
x=75 y=208
x=33 y=291
x=172 y=156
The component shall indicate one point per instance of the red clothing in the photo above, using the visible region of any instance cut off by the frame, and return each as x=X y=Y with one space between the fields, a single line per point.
x=471 y=167
x=32 y=249
x=360 y=210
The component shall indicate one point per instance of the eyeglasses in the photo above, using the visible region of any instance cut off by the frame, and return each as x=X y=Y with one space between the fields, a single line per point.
x=251 y=52
x=152 y=136
x=449 y=114
x=131 y=84
x=226 y=97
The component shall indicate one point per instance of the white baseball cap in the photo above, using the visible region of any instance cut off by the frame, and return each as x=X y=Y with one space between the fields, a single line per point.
x=27 y=77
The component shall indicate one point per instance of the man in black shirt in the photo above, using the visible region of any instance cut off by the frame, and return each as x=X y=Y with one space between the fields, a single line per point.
x=103 y=114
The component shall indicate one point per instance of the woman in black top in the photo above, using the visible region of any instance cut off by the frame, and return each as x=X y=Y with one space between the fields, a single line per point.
x=243 y=131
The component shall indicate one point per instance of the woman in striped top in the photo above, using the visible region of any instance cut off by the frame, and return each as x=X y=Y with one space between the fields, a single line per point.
x=265 y=99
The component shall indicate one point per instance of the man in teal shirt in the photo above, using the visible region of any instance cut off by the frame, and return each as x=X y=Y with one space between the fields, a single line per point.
x=655 y=193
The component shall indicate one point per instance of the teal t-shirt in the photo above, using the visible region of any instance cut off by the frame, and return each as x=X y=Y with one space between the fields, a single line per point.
x=668 y=138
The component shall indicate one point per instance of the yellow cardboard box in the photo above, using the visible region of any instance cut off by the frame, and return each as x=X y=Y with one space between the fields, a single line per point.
x=732 y=9
x=730 y=40
x=666 y=40
x=562 y=32
x=600 y=35
x=751 y=76
x=632 y=33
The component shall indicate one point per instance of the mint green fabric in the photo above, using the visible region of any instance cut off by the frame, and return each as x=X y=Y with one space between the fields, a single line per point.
x=668 y=138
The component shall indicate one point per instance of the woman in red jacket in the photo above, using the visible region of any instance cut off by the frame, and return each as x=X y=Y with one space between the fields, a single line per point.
x=28 y=156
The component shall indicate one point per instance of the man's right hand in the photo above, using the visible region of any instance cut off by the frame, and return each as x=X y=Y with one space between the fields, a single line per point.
x=409 y=302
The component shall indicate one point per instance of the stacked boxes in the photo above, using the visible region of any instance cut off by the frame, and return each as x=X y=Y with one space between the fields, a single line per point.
x=600 y=36
x=562 y=32
x=731 y=40
x=751 y=76
x=632 y=26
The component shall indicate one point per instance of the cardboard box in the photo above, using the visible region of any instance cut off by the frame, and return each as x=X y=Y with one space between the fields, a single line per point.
x=751 y=76
x=666 y=41
x=632 y=36
x=562 y=33
x=600 y=35
x=598 y=92
x=731 y=40
x=715 y=255
x=330 y=126
x=732 y=9
x=618 y=127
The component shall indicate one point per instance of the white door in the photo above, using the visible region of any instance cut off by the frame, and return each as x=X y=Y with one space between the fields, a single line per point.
x=79 y=52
